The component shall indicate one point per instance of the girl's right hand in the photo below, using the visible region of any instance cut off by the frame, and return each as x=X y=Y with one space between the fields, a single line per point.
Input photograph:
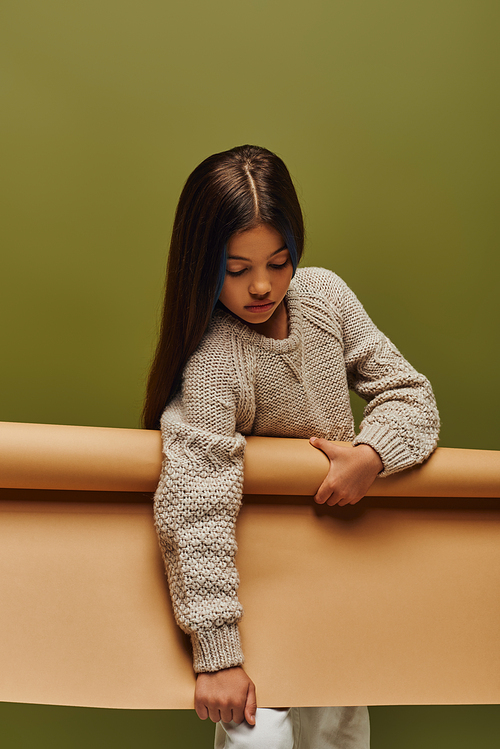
x=226 y=695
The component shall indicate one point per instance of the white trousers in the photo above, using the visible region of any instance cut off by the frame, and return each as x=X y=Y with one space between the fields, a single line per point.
x=298 y=728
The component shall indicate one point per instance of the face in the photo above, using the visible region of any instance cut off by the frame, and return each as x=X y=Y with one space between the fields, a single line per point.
x=258 y=273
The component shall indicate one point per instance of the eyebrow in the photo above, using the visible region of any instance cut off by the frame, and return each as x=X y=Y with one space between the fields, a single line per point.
x=239 y=257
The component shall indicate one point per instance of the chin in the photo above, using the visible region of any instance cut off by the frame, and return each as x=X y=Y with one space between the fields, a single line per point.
x=257 y=319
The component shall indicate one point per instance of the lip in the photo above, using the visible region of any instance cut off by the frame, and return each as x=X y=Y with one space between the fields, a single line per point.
x=259 y=308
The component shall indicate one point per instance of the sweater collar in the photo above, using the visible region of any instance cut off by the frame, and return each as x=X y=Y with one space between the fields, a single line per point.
x=252 y=338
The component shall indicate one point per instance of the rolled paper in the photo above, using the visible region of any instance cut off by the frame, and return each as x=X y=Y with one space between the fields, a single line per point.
x=48 y=456
x=388 y=602
x=293 y=467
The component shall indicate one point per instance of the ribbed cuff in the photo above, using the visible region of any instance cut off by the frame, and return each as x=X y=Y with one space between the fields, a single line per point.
x=394 y=454
x=217 y=648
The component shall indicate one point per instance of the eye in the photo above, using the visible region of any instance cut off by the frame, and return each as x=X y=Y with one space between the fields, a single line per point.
x=235 y=272
x=281 y=265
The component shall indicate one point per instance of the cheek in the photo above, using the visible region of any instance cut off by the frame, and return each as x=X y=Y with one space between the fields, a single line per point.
x=229 y=293
x=286 y=282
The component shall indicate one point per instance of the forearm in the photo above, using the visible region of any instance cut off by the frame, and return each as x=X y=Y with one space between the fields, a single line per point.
x=401 y=424
x=196 y=505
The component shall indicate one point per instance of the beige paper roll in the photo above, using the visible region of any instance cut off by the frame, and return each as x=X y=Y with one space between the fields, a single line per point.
x=49 y=456
x=387 y=602
x=46 y=456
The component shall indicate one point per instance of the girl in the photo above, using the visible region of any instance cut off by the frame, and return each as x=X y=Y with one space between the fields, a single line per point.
x=250 y=344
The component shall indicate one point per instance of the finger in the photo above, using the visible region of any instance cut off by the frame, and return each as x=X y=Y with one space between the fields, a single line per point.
x=320 y=444
x=226 y=715
x=322 y=494
x=239 y=714
x=325 y=490
x=351 y=501
x=335 y=499
x=251 y=705
x=214 y=714
x=201 y=710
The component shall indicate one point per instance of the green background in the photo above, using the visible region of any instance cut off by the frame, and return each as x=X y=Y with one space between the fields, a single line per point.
x=387 y=115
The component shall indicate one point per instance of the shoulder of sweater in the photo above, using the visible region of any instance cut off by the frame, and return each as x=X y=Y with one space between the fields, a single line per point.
x=217 y=339
x=323 y=286
x=320 y=281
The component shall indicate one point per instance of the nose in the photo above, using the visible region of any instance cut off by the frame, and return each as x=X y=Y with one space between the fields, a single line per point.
x=260 y=285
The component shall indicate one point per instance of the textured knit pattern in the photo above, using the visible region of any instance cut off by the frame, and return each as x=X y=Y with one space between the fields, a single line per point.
x=239 y=382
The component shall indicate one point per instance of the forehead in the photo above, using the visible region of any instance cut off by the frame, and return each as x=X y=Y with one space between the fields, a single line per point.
x=262 y=240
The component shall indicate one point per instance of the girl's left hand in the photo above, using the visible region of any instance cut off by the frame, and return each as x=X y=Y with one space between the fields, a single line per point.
x=353 y=470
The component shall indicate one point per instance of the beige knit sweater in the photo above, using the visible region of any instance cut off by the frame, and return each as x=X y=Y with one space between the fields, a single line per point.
x=239 y=382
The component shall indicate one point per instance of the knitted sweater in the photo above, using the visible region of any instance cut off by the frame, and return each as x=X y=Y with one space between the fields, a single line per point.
x=239 y=382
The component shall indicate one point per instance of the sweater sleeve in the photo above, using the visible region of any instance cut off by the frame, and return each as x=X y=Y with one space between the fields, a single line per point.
x=401 y=420
x=196 y=504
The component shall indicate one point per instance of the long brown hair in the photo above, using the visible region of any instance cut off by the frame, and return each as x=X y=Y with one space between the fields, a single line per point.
x=229 y=192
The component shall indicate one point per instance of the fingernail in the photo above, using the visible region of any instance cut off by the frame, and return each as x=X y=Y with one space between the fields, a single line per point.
x=312 y=439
